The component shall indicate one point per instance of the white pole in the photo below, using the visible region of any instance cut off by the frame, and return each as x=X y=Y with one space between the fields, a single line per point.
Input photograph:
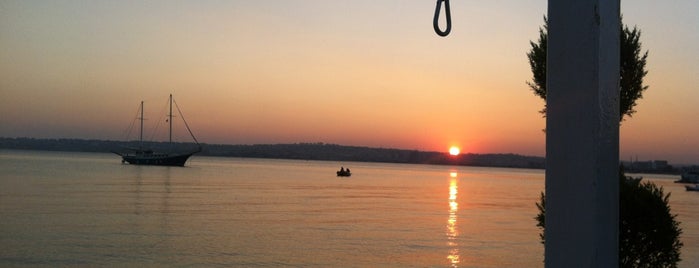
x=582 y=134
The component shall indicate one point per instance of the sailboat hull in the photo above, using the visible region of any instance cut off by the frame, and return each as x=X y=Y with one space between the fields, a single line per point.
x=157 y=159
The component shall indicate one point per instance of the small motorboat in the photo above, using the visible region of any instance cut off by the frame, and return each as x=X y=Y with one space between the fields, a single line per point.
x=692 y=187
x=344 y=173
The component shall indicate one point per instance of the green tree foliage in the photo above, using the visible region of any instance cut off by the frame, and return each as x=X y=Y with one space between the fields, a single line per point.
x=649 y=234
x=632 y=68
x=537 y=62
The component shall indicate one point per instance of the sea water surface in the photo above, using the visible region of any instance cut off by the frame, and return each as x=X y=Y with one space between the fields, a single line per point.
x=87 y=209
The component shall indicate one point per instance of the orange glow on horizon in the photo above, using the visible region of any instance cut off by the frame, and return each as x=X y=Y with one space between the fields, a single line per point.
x=281 y=84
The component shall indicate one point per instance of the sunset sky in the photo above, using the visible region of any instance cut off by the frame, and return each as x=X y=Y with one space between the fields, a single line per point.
x=359 y=72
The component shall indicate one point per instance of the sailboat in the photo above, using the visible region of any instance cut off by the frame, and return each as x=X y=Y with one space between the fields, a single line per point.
x=146 y=156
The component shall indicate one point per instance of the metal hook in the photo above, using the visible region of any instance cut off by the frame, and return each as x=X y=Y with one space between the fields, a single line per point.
x=435 y=22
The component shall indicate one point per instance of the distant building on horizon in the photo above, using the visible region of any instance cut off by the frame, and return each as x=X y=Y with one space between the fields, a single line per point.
x=650 y=166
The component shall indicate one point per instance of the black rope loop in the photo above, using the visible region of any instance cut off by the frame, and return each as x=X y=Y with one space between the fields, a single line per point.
x=435 y=22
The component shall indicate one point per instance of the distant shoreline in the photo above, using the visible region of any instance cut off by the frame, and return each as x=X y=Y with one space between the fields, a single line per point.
x=297 y=151
x=309 y=151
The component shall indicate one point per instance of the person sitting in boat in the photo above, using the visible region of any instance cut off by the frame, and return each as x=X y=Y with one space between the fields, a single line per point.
x=348 y=171
x=342 y=169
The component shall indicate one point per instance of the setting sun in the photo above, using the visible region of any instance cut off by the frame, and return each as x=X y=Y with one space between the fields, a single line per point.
x=454 y=150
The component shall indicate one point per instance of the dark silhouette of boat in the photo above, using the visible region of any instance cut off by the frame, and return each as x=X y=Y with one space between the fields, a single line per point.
x=148 y=157
x=689 y=177
x=145 y=156
x=692 y=188
x=344 y=172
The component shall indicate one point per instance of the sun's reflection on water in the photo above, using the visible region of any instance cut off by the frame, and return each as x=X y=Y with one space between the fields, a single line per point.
x=452 y=228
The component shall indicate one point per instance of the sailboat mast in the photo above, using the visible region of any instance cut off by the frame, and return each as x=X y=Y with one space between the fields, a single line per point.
x=140 y=139
x=170 y=119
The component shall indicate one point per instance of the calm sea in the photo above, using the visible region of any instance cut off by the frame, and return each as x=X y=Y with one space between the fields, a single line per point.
x=85 y=209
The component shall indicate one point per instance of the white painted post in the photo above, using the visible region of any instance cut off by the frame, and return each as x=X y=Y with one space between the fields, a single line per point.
x=582 y=134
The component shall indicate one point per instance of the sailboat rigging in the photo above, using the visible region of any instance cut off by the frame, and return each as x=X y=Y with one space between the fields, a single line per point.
x=145 y=156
